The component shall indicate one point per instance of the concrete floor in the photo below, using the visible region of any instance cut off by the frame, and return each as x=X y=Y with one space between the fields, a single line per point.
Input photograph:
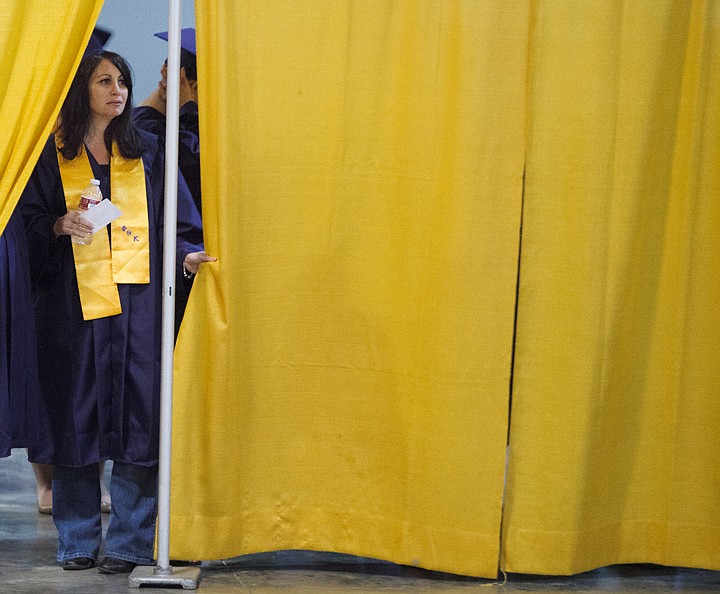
x=27 y=565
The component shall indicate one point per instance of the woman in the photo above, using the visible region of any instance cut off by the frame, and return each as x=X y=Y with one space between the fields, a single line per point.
x=98 y=312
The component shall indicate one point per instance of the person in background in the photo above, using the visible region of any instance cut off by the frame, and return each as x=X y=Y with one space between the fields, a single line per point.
x=44 y=472
x=98 y=311
x=19 y=389
x=150 y=116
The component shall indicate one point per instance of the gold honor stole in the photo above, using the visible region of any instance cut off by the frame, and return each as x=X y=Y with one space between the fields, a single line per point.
x=98 y=266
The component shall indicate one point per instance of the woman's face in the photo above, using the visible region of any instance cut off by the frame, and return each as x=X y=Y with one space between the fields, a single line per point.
x=108 y=93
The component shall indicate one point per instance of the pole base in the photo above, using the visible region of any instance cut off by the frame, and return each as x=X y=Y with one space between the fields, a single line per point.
x=147 y=575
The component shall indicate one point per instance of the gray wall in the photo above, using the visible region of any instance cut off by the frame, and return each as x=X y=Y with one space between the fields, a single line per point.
x=133 y=23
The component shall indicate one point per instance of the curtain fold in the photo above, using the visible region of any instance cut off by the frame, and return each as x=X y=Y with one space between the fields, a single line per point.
x=614 y=442
x=42 y=46
x=342 y=373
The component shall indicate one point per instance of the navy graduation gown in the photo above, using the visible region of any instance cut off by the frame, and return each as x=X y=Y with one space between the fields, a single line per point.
x=19 y=389
x=151 y=120
x=100 y=379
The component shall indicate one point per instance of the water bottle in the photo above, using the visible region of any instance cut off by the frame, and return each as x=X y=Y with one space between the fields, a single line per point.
x=90 y=197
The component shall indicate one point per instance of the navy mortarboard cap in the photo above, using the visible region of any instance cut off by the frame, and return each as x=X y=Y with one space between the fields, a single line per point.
x=97 y=42
x=187 y=39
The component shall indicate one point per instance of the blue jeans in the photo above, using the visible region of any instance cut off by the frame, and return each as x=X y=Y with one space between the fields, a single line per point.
x=76 y=512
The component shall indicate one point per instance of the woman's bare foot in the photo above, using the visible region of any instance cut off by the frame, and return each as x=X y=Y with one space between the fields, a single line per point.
x=43 y=486
x=105 y=502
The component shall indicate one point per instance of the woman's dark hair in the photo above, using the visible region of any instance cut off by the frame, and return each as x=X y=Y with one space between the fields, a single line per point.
x=75 y=112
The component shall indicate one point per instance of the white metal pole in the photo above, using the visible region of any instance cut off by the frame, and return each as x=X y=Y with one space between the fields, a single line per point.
x=168 y=296
x=163 y=574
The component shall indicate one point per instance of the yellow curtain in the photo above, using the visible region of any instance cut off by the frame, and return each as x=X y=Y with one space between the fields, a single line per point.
x=614 y=441
x=342 y=374
x=42 y=43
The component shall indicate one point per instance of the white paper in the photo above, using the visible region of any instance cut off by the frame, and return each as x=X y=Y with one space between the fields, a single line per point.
x=101 y=214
